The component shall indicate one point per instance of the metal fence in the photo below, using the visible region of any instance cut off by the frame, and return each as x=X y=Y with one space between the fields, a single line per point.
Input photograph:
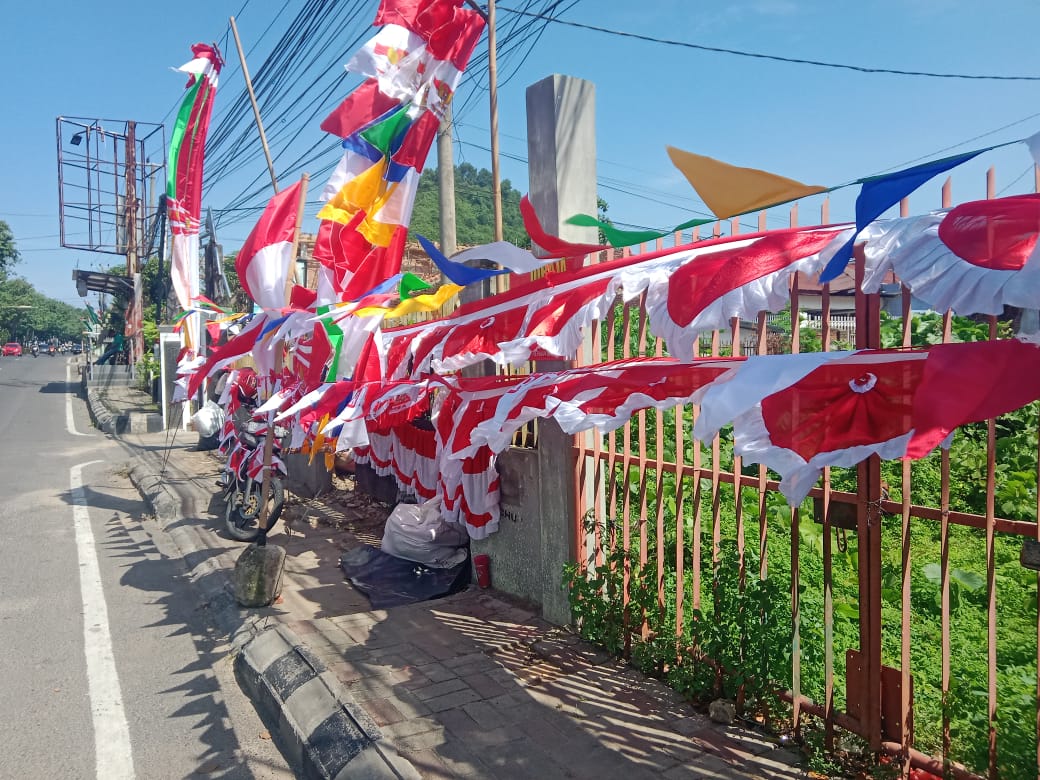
x=890 y=605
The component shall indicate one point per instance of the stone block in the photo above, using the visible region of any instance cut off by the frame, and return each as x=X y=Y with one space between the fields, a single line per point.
x=257 y=577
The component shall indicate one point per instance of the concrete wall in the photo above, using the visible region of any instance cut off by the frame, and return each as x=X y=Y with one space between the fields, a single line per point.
x=536 y=531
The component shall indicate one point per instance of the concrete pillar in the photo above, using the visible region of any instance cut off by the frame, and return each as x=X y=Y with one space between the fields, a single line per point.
x=537 y=527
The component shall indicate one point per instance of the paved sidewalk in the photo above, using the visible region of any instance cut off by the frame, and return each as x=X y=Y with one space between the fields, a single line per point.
x=475 y=685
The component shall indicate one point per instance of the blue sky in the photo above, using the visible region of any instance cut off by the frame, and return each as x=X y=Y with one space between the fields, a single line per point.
x=818 y=125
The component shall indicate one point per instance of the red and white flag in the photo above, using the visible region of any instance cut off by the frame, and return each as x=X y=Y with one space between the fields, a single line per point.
x=973 y=259
x=797 y=414
x=264 y=263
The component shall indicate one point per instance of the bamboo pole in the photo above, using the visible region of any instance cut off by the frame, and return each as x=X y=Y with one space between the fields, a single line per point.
x=256 y=108
x=265 y=487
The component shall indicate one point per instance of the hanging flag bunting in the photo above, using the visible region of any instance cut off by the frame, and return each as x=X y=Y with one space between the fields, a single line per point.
x=880 y=193
x=457 y=272
x=412 y=66
x=184 y=172
x=415 y=304
x=450 y=31
x=265 y=261
x=729 y=190
x=602 y=397
x=743 y=277
x=976 y=258
x=622 y=238
x=410 y=284
x=551 y=245
x=689 y=290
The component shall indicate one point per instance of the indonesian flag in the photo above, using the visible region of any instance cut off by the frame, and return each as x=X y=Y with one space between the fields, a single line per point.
x=973 y=259
x=797 y=414
x=265 y=260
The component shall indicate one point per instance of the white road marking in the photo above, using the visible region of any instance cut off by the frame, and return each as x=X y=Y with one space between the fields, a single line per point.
x=114 y=759
x=69 y=422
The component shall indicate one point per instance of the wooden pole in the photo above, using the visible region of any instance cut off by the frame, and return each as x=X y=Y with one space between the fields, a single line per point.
x=256 y=108
x=496 y=180
x=265 y=486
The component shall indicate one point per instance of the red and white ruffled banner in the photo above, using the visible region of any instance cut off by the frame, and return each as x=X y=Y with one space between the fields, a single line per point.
x=690 y=290
x=799 y=413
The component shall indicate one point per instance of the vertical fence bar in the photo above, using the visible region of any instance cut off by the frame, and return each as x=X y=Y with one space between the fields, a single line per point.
x=679 y=437
x=1036 y=188
x=905 y=491
x=763 y=495
x=644 y=510
x=695 y=532
x=738 y=462
x=610 y=468
x=944 y=550
x=869 y=534
x=828 y=552
x=626 y=503
x=659 y=497
x=796 y=617
x=991 y=566
x=599 y=485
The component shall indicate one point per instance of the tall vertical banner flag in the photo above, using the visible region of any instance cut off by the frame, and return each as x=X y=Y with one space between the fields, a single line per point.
x=184 y=175
x=412 y=66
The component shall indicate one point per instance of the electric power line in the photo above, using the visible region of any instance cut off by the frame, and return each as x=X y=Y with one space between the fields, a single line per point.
x=773 y=57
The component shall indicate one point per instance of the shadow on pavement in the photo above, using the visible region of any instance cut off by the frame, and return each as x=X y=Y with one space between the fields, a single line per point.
x=145 y=569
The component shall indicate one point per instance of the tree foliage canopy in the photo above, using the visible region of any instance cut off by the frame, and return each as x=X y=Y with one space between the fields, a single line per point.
x=26 y=313
x=8 y=250
x=474 y=208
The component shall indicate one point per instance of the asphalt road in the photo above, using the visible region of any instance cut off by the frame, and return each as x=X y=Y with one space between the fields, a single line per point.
x=108 y=668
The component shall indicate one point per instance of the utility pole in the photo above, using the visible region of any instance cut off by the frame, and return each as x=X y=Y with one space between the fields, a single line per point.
x=496 y=180
x=446 y=185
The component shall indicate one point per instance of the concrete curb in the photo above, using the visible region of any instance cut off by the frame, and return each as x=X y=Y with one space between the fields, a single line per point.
x=101 y=415
x=115 y=423
x=327 y=736
x=161 y=500
x=321 y=731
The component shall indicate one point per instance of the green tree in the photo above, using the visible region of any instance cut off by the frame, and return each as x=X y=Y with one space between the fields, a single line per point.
x=8 y=250
x=26 y=313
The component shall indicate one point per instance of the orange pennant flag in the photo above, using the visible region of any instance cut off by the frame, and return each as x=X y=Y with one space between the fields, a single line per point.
x=729 y=190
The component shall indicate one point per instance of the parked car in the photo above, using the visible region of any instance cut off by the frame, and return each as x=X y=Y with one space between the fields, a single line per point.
x=12 y=348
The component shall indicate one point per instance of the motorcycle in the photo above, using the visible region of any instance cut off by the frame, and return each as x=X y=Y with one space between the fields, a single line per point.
x=52 y=350
x=35 y=350
x=242 y=481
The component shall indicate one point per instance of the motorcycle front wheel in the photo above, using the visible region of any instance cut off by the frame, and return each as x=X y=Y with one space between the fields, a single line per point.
x=241 y=518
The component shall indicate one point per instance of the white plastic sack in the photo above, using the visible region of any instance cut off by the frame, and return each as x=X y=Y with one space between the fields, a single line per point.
x=417 y=533
x=208 y=420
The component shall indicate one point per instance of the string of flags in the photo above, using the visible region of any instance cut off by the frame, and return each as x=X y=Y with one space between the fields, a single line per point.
x=391 y=394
